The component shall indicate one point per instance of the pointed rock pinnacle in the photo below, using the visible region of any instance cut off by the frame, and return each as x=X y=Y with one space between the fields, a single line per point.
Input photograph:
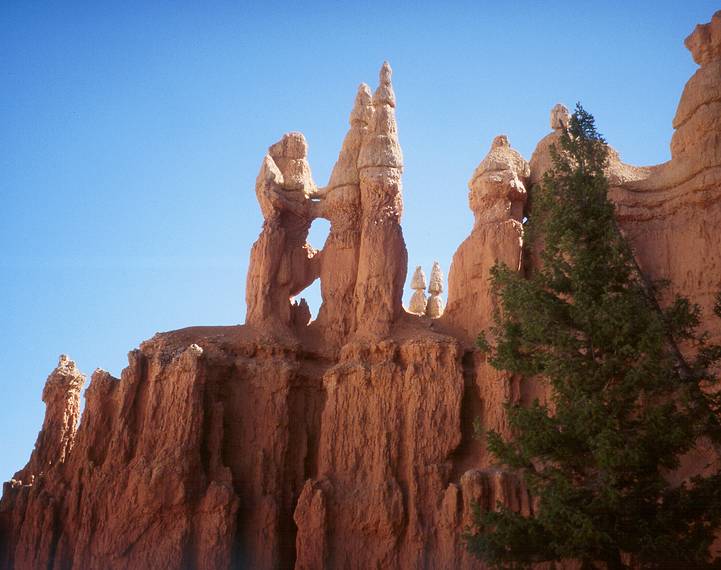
x=560 y=117
x=436 y=286
x=419 y=279
x=362 y=112
x=384 y=95
x=417 y=305
x=435 y=306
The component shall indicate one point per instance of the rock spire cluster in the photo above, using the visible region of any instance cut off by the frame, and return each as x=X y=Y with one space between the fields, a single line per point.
x=347 y=442
x=362 y=266
x=433 y=305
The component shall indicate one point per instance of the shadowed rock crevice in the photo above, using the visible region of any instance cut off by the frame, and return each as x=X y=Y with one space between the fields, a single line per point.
x=466 y=455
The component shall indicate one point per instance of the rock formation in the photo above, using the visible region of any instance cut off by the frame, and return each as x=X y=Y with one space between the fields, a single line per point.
x=418 y=302
x=434 y=307
x=541 y=157
x=560 y=117
x=346 y=442
x=55 y=440
x=497 y=198
x=340 y=203
x=281 y=262
x=379 y=285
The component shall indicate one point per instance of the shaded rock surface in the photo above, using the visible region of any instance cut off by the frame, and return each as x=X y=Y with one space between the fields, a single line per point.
x=346 y=442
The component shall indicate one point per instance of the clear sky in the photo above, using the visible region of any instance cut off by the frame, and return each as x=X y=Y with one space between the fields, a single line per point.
x=131 y=134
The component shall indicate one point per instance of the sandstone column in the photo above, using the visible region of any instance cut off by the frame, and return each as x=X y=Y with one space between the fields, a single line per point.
x=62 y=412
x=497 y=196
x=418 y=302
x=434 y=307
x=281 y=261
x=340 y=203
x=383 y=258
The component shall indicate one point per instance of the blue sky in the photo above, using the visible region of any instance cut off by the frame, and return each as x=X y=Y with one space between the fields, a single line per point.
x=131 y=135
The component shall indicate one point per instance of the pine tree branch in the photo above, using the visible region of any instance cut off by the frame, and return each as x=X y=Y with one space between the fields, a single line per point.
x=682 y=366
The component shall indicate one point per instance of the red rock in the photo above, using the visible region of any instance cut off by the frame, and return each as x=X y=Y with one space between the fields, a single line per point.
x=346 y=442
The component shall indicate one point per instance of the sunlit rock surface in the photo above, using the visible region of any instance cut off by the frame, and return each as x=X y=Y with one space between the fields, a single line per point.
x=346 y=442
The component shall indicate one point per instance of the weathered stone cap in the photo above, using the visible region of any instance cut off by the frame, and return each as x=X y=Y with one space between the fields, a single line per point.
x=419 y=279
x=385 y=95
x=704 y=43
x=292 y=145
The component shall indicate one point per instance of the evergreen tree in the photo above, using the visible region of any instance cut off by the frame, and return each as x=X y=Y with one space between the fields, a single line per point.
x=625 y=405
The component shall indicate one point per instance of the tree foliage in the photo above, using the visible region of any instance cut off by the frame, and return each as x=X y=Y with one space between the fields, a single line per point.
x=625 y=405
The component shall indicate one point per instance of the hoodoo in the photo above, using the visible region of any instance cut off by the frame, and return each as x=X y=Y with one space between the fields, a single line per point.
x=346 y=442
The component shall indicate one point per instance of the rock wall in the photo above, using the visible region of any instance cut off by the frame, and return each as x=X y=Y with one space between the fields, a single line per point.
x=346 y=442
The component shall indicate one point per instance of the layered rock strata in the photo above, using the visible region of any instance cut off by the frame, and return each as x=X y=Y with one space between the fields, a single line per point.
x=346 y=442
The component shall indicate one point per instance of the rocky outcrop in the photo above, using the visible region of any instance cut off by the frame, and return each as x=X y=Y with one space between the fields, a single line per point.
x=340 y=203
x=383 y=258
x=281 y=262
x=670 y=212
x=497 y=198
x=346 y=442
x=435 y=307
x=541 y=160
x=57 y=436
x=418 y=302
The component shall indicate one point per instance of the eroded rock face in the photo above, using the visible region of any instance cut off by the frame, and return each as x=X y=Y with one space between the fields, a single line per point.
x=418 y=302
x=670 y=212
x=541 y=158
x=383 y=258
x=340 y=203
x=62 y=412
x=282 y=263
x=497 y=197
x=347 y=442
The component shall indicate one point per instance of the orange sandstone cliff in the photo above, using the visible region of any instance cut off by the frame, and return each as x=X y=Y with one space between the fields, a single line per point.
x=345 y=442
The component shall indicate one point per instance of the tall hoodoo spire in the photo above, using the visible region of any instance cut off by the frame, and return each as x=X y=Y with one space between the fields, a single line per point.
x=281 y=261
x=382 y=147
x=345 y=170
x=362 y=112
x=340 y=203
x=62 y=412
x=382 y=260
x=385 y=94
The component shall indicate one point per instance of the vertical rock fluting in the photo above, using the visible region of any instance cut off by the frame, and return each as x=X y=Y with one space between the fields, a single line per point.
x=226 y=447
x=138 y=489
x=389 y=425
